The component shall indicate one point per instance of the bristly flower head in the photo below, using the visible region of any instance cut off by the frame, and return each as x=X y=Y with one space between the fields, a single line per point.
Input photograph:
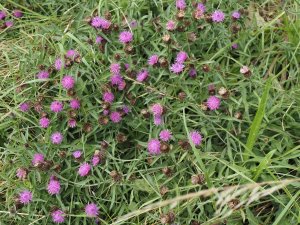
x=153 y=59
x=196 y=138
x=9 y=23
x=21 y=173
x=17 y=13
x=171 y=25
x=68 y=82
x=218 y=16
x=158 y=120
x=24 y=107
x=2 y=15
x=44 y=122
x=142 y=75
x=58 y=216
x=57 y=138
x=99 y=40
x=75 y=104
x=201 y=7
x=58 y=64
x=72 y=123
x=177 y=68
x=157 y=109
x=213 y=102
x=108 y=97
x=72 y=54
x=53 y=187
x=165 y=135
x=116 y=79
x=38 y=158
x=56 y=106
x=193 y=72
x=180 y=4
x=84 y=169
x=43 y=74
x=91 y=210
x=181 y=57
x=77 y=154
x=115 y=68
x=154 y=147
x=236 y=15
x=95 y=160
x=115 y=117
x=99 y=22
x=125 y=37
x=25 y=197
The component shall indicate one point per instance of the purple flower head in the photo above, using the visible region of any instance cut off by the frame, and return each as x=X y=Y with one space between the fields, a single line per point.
x=105 y=24
x=154 y=147
x=72 y=123
x=106 y=112
x=126 y=109
x=234 y=46
x=236 y=15
x=115 y=68
x=72 y=54
x=56 y=106
x=53 y=187
x=218 y=16
x=17 y=13
x=122 y=85
x=77 y=154
x=68 y=82
x=157 y=109
x=142 y=75
x=181 y=57
x=9 y=23
x=165 y=135
x=213 y=102
x=177 y=68
x=25 y=197
x=133 y=24
x=171 y=25
x=84 y=169
x=75 y=103
x=44 y=122
x=24 y=107
x=126 y=65
x=57 y=138
x=2 y=15
x=58 y=216
x=196 y=138
x=153 y=59
x=95 y=160
x=99 y=39
x=43 y=74
x=125 y=37
x=96 y=22
x=201 y=7
x=38 y=158
x=158 y=120
x=116 y=79
x=108 y=97
x=193 y=72
x=58 y=64
x=180 y=4
x=244 y=70
x=91 y=210
x=21 y=173
x=115 y=117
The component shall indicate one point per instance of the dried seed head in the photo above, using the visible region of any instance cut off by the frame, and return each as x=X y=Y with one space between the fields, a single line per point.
x=223 y=92
x=198 y=179
x=145 y=113
x=166 y=38
x=116 y=176
x=233 y=204
x=163 y=62
x=211 y=89
x=121 y=138
x=107 y=15
x=167 y=171
x=164 y=147
x=194 y=222
x=62 y=154
x=129 y=49
x=184 y=144
x=235 y=28
x=103 y=120
x=192 y=37
x=167 y=218
x=204 y=107
x=182 y=96
x=205 y=68
x=238 y=115
x=72 y=113
x=87 y=127
x=163 y=190
x=38 y=107
x=180 y=14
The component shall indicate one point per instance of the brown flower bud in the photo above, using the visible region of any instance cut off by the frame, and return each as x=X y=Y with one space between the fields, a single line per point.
x=117 y=56
x=167 y=171
x=71 y=92
x=121 y=138
x=116 y=176
x=164 y=147
x=163 y=190
x=223 y=92
x=166 y=38
x=182 y=96
x=232 y=204
x=204 y=107
x=211 y=89
x=198 y=179
x=145 y=113
x=167 y=218
x=72 y=113
x=163 y=62
x=87 y=127
x=129 y=49
x=62 y=154
x=238 y=115
x=192 y=37
x=180 y=14
x=205 y=68
x=184 y=144
x=103 y=120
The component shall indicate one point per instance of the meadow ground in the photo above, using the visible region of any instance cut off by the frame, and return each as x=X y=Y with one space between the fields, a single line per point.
x=227 y=89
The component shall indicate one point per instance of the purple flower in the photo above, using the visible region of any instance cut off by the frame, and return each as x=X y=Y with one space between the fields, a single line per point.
x=165 y=135
x=157 y=109
x=234 y=46
x=44 y=122
x=244 y=70
x=153 y=59
x=72 y=54
x=24 y=107
x=122 y=85
x=133 y=24
x=201 y=7
x=53 y=187
x=91 y=210
x=57 y=138
x=171 y=25
x=84 y=169
x=68 y=82
x=2 y=15
x=38 y=158
x=58 y=64
x=126 y=65
x=116 y=79
x=58 y=216
x=115 y=68
x=25 y=197
x=95 y=160
x=218 y=16
x=99 y=39
x=235 y=15
x=125 y=37
x=108 y=97
x=180 y=4
x=142 y=75
x=43 y=74
x=115 y=117
x=21 y=173
x=158 y=120
x=177 y=68
x=17 y=13
x=72 y=123
x=75 y=103
x=99 y=22
x=213 y=102
x=56 y=106
x=77 y=154
x=106 y=112
x=154 y=147
x=193 y=72
x=181 y=57
x=126 y=109
x=9 y=23
x=196 y=138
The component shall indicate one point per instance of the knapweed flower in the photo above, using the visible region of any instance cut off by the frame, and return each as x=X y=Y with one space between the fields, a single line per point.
x=72 y=54
x=158 y=120
x=77 y=154
x=106 y=112
x=84 y=169
x=95 y=160
x=115 y=68
x=153 y=59
x=91 y=210
x=177 y=68
x=213 y=102
x=218 y=16
x=154 y=147
x=58 y=216
x=234 y=46
x=43 y=74
x=133 y=24
x=57 y=138
x=17 y=13
x=126 y=109
x=122 y=85
x=125 y=37
x=196 y=138
x=72 y=123
x=38 y=158
x=127 y=66
x=21 y=173
x=193 y=72
x=53 y=187
x=236 y=15
x=180 y=4
x=25 y=197
x=201 y=7
x=9 y=23
x=68 y=82
x=99 y=22
x=142 y=75
x=99 y=39
x=244 y=70
x=116 y=79
x=181 y=57
x=44 y=122
x=75 y=104
x=171 y=25
x=2 y=15
x=108 y=97
x=58 y=64
x=157 y=109
x=115 y=117
x=24 y=107
x=56 y=106
x=165 y=135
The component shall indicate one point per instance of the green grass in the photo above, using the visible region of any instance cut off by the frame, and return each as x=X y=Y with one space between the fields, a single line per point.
x=256 y=157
